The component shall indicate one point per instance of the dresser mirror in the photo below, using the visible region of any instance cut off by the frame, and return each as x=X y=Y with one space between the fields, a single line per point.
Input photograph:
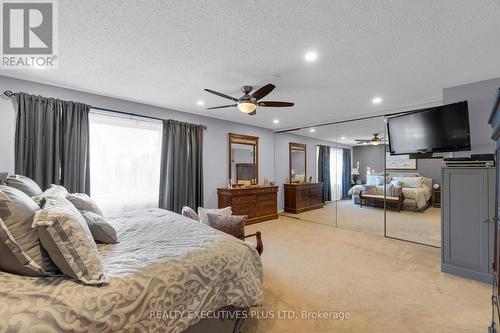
x=297 y=156
x=243 y=159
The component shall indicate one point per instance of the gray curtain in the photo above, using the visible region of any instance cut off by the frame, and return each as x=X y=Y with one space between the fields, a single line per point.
x=346 y=172
x=181 y=177
x=324 y=172
x=52 y=142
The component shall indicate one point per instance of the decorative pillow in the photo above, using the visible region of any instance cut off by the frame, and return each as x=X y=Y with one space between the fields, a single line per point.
x=83 y=202
x=410 y=182
x=65 y=235
x=190 y=213
x=17 y=215
x=24 y=184
x=100 y=229
x=370 y=189
x=397 y=190
x=55 y=190
x=230 y=224
x=204 y=211
x=13 y=259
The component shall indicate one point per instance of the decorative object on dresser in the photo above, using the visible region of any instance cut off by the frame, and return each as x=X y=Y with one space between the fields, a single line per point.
x=243 y=159
x=297 y=157
x=303 y=197
x=259 y=203
x=436 y=196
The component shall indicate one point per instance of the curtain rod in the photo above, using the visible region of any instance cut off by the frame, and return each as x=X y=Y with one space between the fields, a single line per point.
x=9 y=93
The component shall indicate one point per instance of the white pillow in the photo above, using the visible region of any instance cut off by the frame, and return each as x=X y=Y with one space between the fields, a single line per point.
x=410 y=182
x=203 y=212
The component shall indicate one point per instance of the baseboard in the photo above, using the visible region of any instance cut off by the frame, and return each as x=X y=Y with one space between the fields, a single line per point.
x=467 y=273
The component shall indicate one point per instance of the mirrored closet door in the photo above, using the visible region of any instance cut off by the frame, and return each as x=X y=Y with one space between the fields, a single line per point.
x=361 y=205
x=305 y=193
x=413 y=198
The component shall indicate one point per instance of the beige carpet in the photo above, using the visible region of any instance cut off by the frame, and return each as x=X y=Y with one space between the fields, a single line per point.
x=422 y=227
x=386 y=285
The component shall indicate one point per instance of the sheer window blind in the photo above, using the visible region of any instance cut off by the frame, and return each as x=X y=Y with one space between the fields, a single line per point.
x=124 y=162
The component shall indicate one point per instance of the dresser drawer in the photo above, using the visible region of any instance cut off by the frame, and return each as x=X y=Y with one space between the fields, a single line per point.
x=244 y=199
x=244 y=210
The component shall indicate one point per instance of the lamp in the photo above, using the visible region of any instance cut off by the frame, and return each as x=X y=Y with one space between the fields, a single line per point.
x=246 y=106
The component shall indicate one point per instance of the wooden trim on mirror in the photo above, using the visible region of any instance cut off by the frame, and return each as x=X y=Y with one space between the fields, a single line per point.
x=244 y=140
x=300 y=147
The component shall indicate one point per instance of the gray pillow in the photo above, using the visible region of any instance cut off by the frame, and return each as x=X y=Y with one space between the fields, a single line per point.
x=230 y=224
x=13 y=259
x=84 y=202
x=101 y=230
x=17 y=214
x=24 y=184
x=190 y=213
x=65 y=235
x=53 y=190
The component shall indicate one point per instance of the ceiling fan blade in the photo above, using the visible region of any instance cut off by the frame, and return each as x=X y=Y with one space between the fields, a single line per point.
x=275 y=104
x=253 y=113
x=264 y=91
x=221 y=95
x=222 y=106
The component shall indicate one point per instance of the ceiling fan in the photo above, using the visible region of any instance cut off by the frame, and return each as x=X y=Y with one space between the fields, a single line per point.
x=248 y=103
x=374 y=141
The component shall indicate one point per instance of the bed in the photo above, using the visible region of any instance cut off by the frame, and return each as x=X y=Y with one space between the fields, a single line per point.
x=163 y=263
x=415 y=198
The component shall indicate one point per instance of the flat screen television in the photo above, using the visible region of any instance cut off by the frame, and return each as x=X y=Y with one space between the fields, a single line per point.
x=438 y=129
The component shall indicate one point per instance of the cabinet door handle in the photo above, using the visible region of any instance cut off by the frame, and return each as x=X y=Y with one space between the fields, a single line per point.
x=495 y=219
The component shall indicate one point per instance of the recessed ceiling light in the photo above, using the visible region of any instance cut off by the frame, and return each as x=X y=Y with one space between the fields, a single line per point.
x=200 y=103
x=312 y=130
x=377 y=100
x=342 y=138
x=311 y=56
x=276 y=121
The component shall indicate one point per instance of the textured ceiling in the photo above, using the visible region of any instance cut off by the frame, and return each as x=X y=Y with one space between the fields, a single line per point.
x=165 y=52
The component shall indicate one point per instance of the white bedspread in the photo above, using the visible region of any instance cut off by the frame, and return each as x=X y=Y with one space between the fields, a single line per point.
x=164 y=262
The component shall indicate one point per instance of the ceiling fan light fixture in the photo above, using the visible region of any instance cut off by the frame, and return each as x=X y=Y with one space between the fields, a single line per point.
x=246 y=106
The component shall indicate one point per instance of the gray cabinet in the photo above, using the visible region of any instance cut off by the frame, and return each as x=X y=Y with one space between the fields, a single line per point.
x=468 y=202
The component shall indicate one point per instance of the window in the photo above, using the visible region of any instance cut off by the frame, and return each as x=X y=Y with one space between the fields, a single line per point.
x=336 y=165
x=124 y=162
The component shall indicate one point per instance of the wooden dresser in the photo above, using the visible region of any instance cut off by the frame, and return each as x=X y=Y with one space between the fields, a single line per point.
x=303 y=197
x=259 y=203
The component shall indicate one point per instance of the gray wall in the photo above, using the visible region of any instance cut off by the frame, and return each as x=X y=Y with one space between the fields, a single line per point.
x=480 y=97
x=373 y=156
